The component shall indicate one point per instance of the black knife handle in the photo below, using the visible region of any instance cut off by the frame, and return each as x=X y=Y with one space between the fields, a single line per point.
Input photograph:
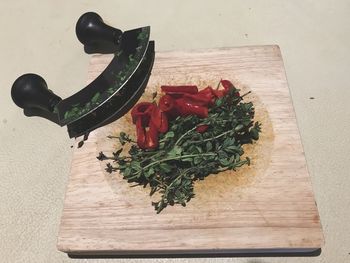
x=30 y=92
x=95 y=35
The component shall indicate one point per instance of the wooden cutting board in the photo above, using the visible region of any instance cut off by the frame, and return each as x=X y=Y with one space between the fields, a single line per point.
x=268 y=206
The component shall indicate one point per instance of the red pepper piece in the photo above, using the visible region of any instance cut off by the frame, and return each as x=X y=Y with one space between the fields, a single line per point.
x=197 y=99
x=159 y=119
x=208 y=91
x=186 y=107
x=166 y=103
x=180 y=89
x=202 y=128
x=200 y=98
x=219 y=93
x=175 y=95
x=227 y=84
x=142 y=110
x=152 y=140
x=140 y=134
x=214 y=93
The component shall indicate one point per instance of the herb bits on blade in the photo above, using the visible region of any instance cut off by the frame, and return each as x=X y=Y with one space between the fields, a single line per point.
x=186 y=136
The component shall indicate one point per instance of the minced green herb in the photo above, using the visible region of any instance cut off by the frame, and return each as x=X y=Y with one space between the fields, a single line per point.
x=133 y=60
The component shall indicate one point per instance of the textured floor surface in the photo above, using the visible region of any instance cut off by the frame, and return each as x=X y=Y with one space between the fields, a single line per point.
x=38 y=36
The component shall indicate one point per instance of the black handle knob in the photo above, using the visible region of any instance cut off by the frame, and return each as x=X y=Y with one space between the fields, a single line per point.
x=95 y=35
x=30 y=92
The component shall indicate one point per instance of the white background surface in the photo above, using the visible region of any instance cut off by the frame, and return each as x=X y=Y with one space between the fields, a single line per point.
x=38 y=36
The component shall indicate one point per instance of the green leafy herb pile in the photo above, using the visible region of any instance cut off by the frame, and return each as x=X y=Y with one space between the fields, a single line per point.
x=185 y=155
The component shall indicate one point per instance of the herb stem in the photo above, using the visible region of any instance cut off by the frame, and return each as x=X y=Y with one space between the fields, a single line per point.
x=112 y=137
x=218 y=86
x=117 y=137
x=183 y=135
x=186 y=133
x=238 y=164
x=147 y=159
x=178 y=158
x=189 y=131
x=222 y=169
x=160 y=182
x=110 y=158
x=245 y=94
x=177 y=178
x=212 y=138
x=114 y=158
x=144 y=153
x=134 y=177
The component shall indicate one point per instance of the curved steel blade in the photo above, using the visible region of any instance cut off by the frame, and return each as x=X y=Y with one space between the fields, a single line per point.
x=120 y=103
x=124 y=65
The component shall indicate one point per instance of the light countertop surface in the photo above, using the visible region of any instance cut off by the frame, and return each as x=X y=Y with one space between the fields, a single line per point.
x=39 y=36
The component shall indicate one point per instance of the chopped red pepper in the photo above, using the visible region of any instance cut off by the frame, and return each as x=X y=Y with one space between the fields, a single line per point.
x=213 y=93
x=202 y=128
x=186 y=107
x=159 y=119
x=207 y=91
x=199 y=98
x=151 y=137
x=140 y=134
x=178 y=101
x=219 y=93
x=142 y=110
x=176 y=95
x=166 y=103
x=180 y=89
x=141 y=115
x=227 y=84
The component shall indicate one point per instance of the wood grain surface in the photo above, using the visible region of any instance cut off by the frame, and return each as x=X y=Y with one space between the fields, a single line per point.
x=266 y=206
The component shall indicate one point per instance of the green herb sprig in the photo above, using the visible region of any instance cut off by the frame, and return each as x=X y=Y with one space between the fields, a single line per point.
x=185 y=155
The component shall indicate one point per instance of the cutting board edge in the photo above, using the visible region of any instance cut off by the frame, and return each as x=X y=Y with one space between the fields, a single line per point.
x=189 y=252
x=215 y=49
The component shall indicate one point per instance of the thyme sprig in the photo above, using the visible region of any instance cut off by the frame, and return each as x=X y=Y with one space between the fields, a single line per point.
x=185 y=155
